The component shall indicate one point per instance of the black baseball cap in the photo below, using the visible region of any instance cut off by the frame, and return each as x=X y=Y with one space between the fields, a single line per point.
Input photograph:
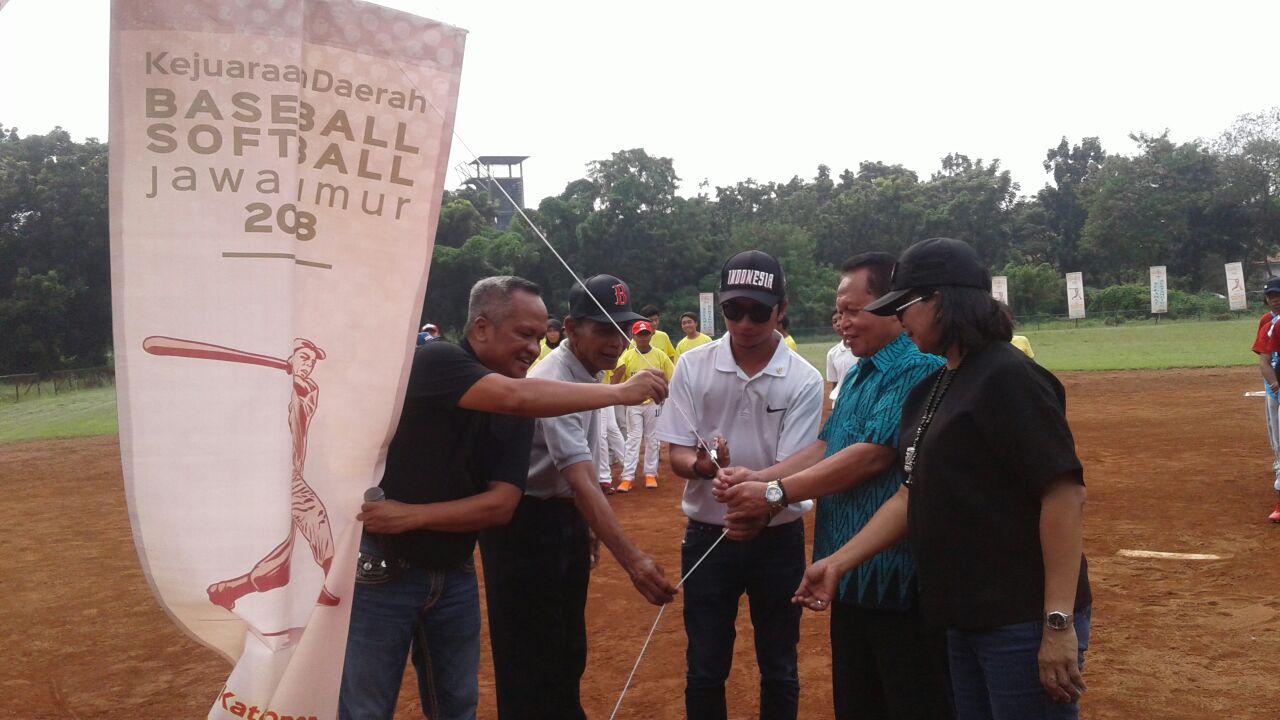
x=936 y=262
x=1272 y=286
x=753 y=275
x=608 y=292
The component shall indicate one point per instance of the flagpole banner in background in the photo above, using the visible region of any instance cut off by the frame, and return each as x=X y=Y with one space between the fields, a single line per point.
x=276 y=171
x=707 y=313
x=1159 y=290
x=1235 y=287
x=1000 y=288
x=1075 y=296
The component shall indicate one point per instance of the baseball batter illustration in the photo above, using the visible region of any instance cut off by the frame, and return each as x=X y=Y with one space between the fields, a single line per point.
x=309 y=516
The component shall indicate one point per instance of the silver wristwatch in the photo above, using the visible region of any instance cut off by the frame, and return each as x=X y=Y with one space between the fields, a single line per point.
x=774 y=495
x=1056 y=620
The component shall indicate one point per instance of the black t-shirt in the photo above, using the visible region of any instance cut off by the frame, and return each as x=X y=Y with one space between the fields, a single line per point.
x=999 y=437
x=443 y=452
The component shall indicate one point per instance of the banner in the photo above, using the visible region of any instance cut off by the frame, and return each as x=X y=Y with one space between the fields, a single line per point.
x=1075 y=296
x=1000 y=288
x=1159 y=290
x=1235 y=287
x=276 y=170
x=707 y=311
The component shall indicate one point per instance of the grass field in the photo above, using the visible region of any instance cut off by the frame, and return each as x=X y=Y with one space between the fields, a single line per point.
x=78 y=413
x=1135 y=346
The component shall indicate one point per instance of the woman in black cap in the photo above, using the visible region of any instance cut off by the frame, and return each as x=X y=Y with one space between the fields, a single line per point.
x=993 y=500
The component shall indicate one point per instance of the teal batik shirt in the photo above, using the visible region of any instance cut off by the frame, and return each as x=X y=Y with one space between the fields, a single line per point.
x=867 y=411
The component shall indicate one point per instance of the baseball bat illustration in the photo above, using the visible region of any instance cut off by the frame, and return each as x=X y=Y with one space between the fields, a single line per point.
x=177 y=347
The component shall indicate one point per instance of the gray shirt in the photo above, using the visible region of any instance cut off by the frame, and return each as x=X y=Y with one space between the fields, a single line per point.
x=559 y=442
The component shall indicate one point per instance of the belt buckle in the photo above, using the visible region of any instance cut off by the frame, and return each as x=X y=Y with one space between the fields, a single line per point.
x=374 y=570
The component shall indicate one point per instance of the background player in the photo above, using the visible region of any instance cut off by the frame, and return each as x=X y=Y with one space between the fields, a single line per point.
x=641 y=419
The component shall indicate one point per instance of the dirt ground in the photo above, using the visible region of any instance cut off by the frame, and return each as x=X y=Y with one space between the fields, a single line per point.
x=1175 y=461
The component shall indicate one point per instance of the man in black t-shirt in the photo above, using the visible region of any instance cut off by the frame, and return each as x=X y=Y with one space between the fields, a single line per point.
x=456 y=464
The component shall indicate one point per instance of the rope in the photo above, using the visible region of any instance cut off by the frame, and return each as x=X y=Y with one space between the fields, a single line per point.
x=643 y=648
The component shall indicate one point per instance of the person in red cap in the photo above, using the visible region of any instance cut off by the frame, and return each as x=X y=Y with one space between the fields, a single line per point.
x=641 y=419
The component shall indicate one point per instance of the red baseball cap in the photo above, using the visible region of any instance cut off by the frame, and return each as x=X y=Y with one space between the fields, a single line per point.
x=641 y=326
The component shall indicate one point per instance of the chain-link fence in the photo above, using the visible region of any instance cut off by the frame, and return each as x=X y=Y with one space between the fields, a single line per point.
x=26 y=386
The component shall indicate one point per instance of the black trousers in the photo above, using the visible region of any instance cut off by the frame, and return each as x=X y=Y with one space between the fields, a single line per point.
x=536 y=571
x=888 y=665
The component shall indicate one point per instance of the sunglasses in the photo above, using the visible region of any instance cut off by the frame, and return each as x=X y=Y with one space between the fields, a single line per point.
x=758 y=312
x=919 y=298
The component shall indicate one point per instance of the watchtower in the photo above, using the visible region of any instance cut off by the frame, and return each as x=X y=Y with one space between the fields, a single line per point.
x=512 y=180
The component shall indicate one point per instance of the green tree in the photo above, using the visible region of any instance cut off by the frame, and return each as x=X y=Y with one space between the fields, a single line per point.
x=36 y=319
x=1071 y=166
x=1250 y=151
x=53 y=218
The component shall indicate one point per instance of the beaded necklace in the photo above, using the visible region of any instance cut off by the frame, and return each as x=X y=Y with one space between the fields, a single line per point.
x=931 y=407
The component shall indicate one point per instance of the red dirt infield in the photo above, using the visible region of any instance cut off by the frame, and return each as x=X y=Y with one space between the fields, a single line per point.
x=1174 y=460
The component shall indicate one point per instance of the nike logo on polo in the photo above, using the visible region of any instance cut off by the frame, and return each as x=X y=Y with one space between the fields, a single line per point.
x=772 y=410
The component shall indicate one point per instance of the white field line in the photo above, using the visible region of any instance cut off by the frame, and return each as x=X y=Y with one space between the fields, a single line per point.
x=1167 y=555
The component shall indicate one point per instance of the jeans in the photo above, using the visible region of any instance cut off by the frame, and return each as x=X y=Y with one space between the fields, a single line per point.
x=433 y=615
x=1272 y=408
x=768 y=568
x=536 y=572
x=996 y=676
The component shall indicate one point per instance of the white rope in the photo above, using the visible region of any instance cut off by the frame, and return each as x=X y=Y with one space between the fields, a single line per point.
x=643 y=648
x=711 y=450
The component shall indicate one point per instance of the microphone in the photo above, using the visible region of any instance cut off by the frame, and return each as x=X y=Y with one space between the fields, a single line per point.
x=374 y=494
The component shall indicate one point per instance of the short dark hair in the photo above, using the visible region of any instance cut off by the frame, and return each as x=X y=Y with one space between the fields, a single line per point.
x=785 y=322
x=648 y=310
x=691 y=315
x=879 y=267
x=970 y=318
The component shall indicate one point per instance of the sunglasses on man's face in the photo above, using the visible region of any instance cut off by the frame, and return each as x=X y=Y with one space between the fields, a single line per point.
x=758 y=312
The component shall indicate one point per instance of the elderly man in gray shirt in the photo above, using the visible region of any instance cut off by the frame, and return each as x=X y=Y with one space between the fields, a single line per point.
x=536 y=568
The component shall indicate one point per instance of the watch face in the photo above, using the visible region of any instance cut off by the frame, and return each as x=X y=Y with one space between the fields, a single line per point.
x=773 y=494
x=1057 y=620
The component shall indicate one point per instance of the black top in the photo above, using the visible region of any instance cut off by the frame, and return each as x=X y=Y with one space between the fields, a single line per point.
x=998 y=438
x=443 y=452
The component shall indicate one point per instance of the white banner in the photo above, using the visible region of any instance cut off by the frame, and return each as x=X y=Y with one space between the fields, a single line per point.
x=1159 y=289
x=1235 y=287
x=1075 y=295
x=276 y=170
x=1000 y=288
x=707 y=311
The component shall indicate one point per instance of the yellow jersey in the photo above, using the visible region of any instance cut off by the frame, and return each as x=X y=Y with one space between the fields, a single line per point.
x=633 y=361
x=543 y=350
x=662 y=342
x=790 y=343
x=1022 y=343
x=688 y=343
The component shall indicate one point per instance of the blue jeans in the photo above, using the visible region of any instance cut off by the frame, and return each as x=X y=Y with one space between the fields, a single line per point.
x=768 y=568
x=995 y=674
x=433 y=614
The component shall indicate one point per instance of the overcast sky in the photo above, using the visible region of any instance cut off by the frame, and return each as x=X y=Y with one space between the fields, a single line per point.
x=736 y=90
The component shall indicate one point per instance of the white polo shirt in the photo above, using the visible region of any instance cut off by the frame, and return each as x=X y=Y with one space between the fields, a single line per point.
x=839 y=359
x=764 y=418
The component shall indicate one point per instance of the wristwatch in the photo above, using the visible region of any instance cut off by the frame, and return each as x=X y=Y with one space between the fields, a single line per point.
x=1056 y=620
x=775 y=495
